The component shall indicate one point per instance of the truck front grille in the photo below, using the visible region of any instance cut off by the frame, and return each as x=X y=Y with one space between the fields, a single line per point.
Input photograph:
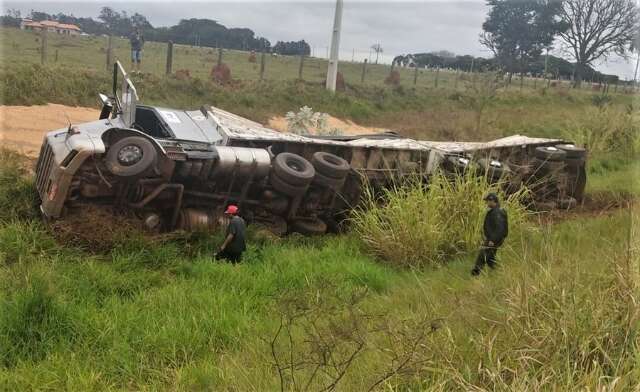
x=43 y=168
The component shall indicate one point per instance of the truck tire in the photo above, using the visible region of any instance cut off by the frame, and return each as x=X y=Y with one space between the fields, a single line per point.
x=130 y=156
x=574 y=163
x=285 y=188
x=293 y=169
x=543 y=167
x=308 y=226
x=329 y=182
x=572 y=151
x=330 y=165
x=493 y=169
x=550 y=153
x=456 y=164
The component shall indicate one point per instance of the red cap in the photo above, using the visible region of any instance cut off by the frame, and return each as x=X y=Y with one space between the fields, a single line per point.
x=231 y=209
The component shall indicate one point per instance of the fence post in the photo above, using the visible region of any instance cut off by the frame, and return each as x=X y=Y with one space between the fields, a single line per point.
x=169 y=57
x=615 y=88
x=301 y=66
x=43 y=47
x=219 y=57
x=435 y=82
x=262 y=60
x=521 y=80
x=364 y=70
x=415 y=75
x=109 y=52
x=535 y=83
x=457 y=77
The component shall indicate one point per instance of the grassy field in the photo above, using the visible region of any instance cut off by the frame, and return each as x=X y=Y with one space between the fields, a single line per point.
x=421 y=111
x=139 y=313
x=561 y=313
x=20 y=47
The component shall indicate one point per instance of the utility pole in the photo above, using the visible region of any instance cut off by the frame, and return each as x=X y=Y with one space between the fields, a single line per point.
x=332 y=70
x=546 y=63
x=635 y=74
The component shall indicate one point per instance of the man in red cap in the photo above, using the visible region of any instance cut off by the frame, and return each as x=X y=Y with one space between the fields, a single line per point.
x=234 y=243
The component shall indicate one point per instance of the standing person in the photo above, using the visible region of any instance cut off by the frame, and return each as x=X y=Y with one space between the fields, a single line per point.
x=496 y=229
x=234 y=242
x=137 y=42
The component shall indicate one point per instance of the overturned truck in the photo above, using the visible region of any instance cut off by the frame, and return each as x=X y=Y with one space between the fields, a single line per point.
x=178 y=169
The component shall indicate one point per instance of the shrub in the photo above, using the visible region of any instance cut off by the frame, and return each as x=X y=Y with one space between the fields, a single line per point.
x=307 y=122
x=414 y=225
x=609 y=129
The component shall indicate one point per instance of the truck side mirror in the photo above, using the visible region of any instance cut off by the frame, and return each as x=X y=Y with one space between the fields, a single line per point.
x=107 y=106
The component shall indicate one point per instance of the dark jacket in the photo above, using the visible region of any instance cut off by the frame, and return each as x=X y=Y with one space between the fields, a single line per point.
x=496 y=225
x=137 y=41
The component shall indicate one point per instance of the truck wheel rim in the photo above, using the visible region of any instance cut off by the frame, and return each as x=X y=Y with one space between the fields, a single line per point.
x=129 y=155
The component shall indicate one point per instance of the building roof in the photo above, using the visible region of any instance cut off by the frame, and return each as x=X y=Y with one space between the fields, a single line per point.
x=50 y=23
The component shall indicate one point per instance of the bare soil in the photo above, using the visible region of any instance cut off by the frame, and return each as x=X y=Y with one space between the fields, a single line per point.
x=346 y=126
x=23 y=127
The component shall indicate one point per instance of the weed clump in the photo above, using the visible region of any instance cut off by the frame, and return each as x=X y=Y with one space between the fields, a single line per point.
x=17 y=192
x=414 y=225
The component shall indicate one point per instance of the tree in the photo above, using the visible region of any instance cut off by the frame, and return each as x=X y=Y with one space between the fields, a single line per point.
x=293 y=48
x=378 y=49
x=108 y=16
x=597 y=29
x=518 y=31
x=11 y=19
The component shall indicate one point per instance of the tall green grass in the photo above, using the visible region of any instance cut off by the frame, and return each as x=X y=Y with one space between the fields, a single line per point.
x=560 y=313
x=416 y=224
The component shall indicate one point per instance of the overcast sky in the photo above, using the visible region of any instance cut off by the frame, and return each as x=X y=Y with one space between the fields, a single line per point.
x=401 y=27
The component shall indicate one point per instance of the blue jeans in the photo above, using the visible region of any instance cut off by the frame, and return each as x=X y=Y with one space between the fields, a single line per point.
x=136 y=55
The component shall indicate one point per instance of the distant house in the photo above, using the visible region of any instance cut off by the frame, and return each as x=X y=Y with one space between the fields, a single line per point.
x=50 y=26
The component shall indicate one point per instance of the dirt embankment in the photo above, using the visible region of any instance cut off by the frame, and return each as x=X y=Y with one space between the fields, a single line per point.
x=23 y=127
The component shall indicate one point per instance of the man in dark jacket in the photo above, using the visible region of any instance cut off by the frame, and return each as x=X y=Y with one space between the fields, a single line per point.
x=137 y=42
x=496 y=229
x=234 y=242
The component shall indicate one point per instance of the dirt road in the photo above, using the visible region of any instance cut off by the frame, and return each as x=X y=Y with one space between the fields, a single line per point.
x=23 y=127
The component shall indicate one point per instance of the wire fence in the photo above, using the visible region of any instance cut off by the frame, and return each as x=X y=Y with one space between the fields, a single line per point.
x=99 y=52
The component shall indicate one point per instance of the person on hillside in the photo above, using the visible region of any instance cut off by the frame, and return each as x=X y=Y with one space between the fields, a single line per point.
x=234 y=242
x=137 y=42
x=496 y=229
